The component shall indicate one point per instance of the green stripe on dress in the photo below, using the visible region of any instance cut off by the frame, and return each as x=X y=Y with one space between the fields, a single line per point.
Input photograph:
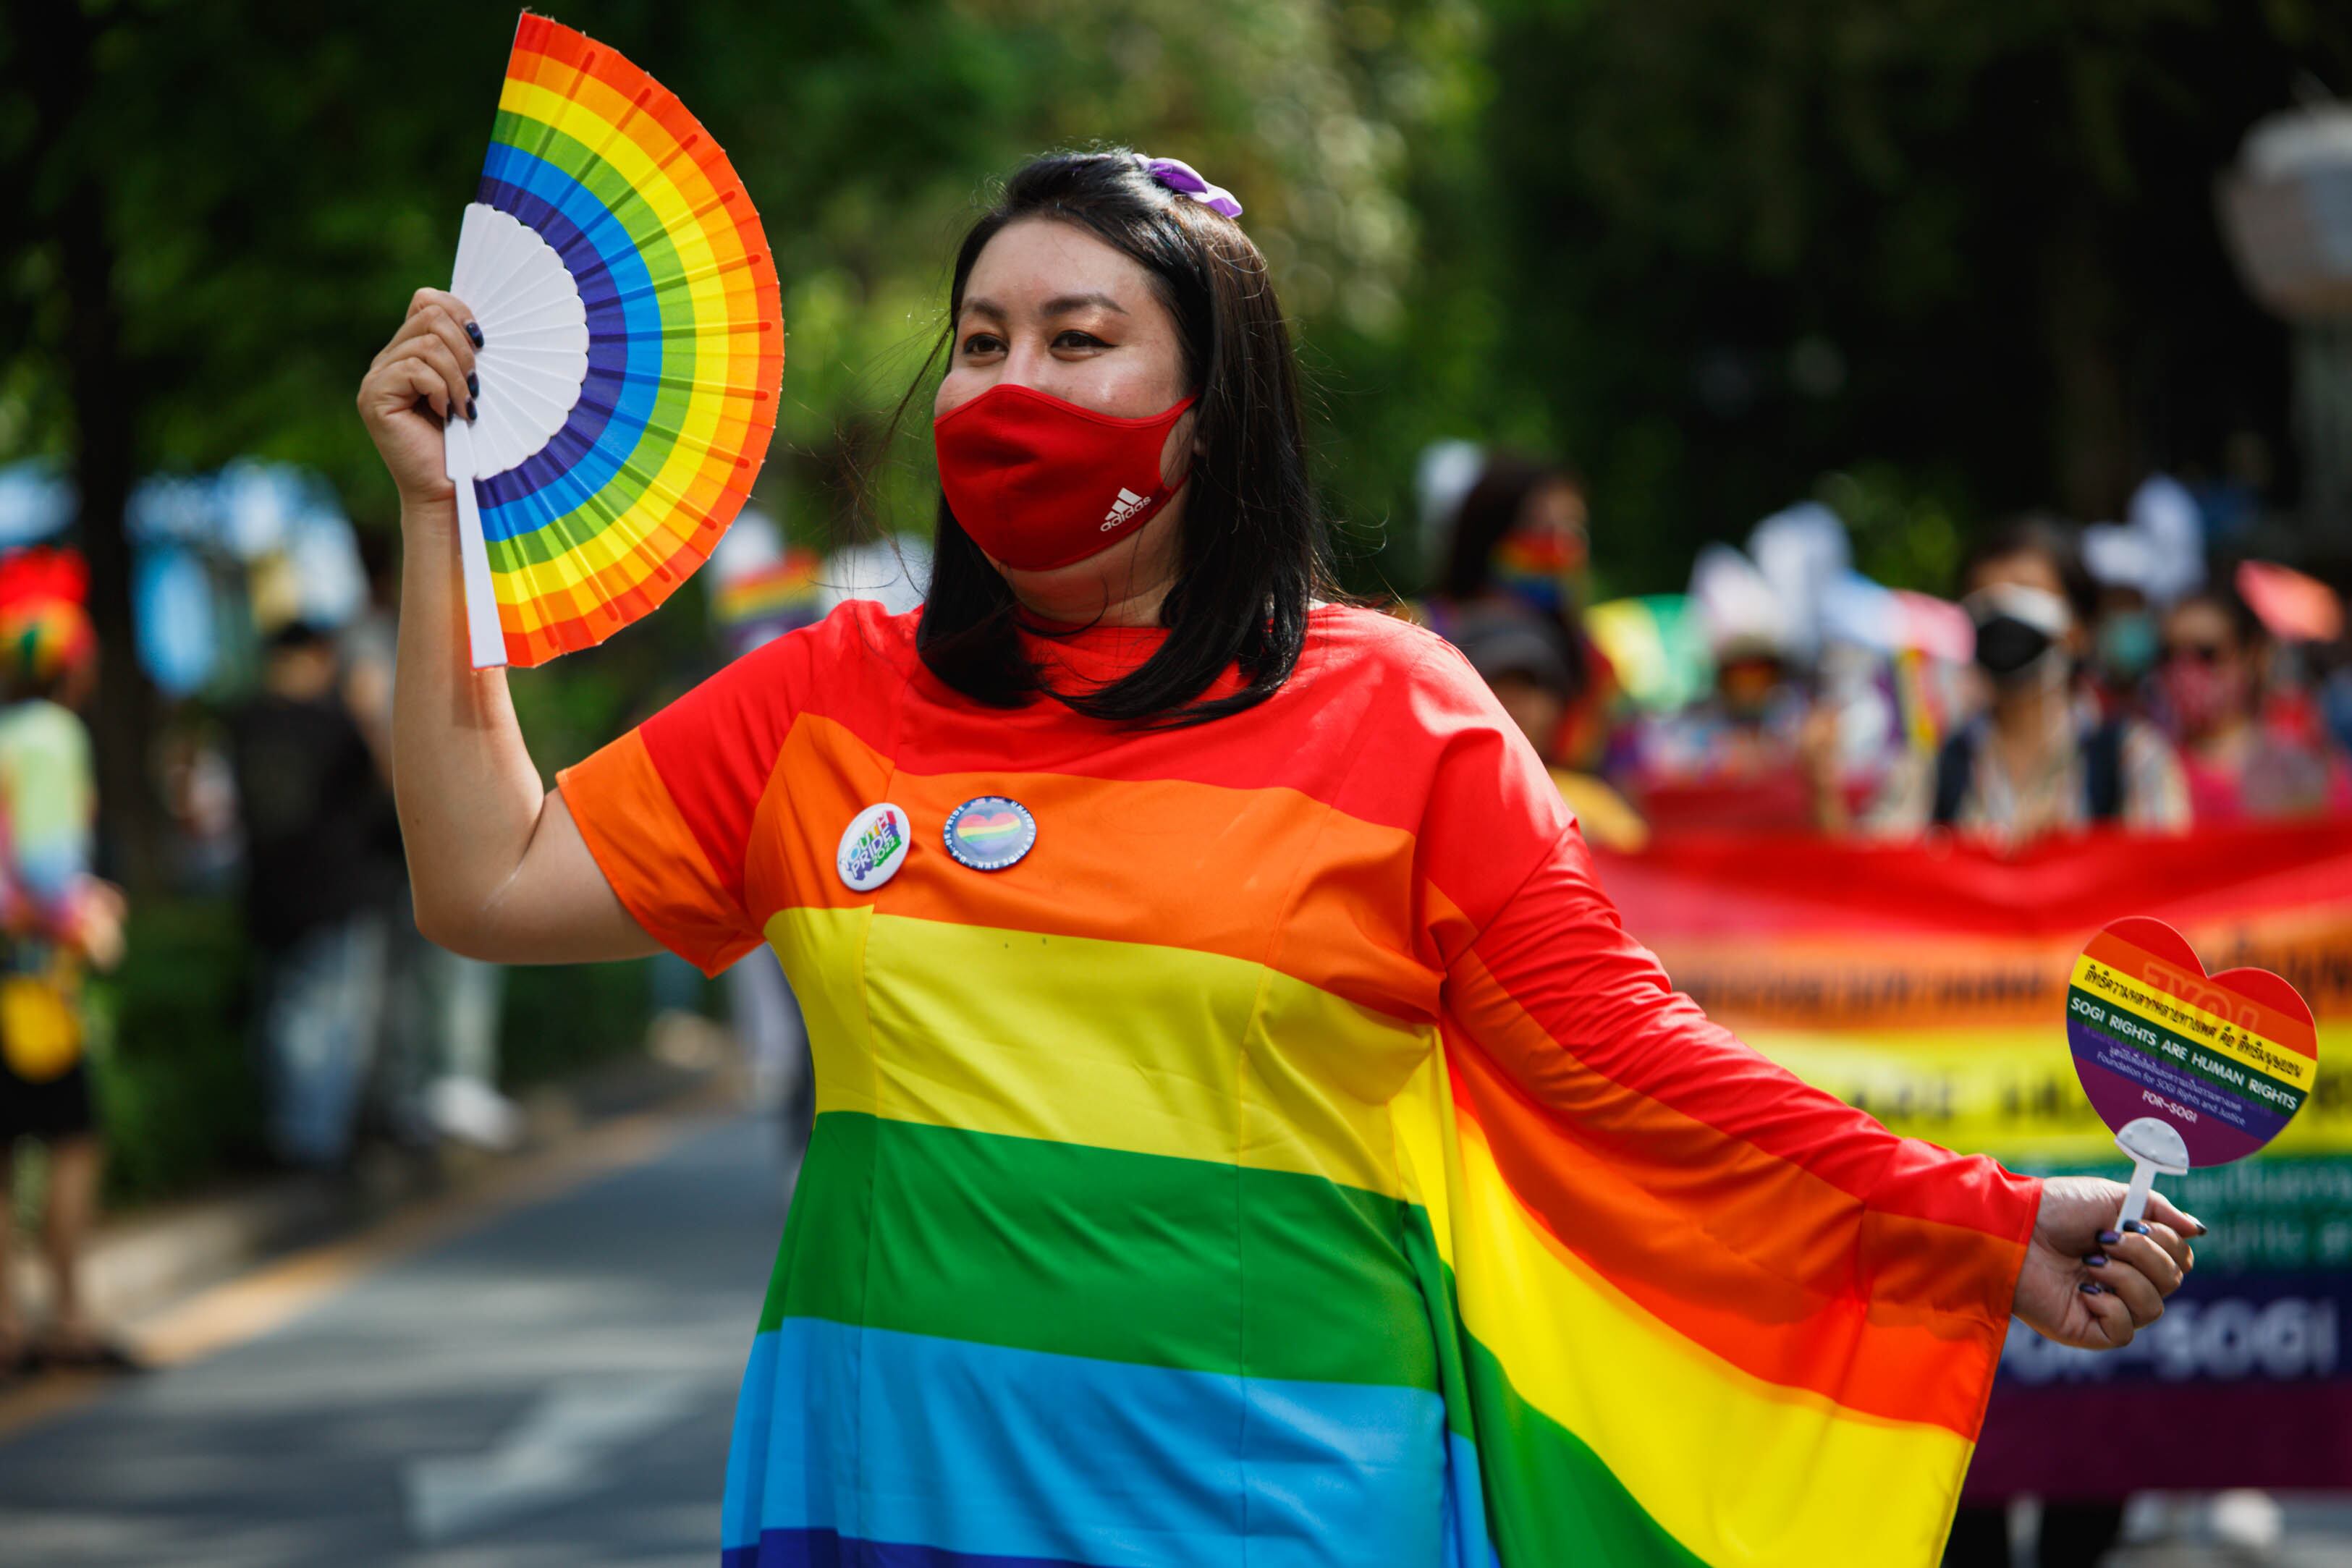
x=1549 y=1496
x=1145 y=1259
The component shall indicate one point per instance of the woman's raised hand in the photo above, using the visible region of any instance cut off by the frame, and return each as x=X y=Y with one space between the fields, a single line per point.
x=2087 y=1282
x=424 y=377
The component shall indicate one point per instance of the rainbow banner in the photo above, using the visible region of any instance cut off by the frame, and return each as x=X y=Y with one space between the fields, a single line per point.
x=1930 y=985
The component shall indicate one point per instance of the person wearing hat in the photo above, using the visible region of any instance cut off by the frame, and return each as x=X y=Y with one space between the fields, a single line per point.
x=1520 y=659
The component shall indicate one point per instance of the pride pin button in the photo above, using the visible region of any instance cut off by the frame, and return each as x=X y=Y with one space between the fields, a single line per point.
x=990 y=832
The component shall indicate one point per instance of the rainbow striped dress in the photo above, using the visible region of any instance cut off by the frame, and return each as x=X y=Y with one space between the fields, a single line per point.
x=1290 y=1160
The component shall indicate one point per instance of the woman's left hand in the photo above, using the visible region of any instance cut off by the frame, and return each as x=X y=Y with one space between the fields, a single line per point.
x=2089 y=1284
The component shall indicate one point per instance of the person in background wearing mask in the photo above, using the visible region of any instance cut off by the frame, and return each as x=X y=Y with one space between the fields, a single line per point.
x=2208 y=689
x=2039 y=760
x=1523 y=667
x=1746 y=759
x=2124 y=644
x=1519 y=540
x=55 y=917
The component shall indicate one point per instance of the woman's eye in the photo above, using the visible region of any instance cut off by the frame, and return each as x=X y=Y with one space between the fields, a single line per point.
x=981 y=343
x=1074 y=339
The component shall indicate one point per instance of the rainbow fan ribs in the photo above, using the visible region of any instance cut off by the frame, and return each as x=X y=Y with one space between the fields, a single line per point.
x=684 y=344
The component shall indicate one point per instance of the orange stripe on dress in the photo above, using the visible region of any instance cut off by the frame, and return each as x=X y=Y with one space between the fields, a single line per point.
x=655 y=867
x=1265 y=875
x=1750 y=1257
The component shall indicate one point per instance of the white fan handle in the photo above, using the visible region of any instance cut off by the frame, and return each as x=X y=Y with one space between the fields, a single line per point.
x=483 y=632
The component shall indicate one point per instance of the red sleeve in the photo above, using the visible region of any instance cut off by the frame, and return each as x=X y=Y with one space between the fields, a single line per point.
x=1684 y=1167
x=667 y=809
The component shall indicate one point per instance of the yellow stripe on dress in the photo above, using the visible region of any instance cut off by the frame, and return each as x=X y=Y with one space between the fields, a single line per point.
x=1119 y=1045
x=1737 y=1469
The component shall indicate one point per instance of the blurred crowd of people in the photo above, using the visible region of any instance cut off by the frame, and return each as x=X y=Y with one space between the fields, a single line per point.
x=2121 y=676
x=358 y=1024
x=2117 y=675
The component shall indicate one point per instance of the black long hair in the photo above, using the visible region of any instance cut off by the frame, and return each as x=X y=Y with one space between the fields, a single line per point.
x=1251 y=559
x=2056 y=541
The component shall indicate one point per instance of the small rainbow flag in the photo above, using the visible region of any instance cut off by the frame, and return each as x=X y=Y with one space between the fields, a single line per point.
x=786 y=590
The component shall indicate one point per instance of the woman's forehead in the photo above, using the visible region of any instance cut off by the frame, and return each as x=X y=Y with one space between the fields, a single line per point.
x=1042 y=265
x=2198 y=615
x=2024 y=568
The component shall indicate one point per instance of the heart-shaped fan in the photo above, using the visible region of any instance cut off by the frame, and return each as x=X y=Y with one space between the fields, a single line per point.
x=632 y=340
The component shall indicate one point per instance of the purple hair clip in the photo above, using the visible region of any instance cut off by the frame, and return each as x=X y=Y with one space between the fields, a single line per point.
x=1185 y=181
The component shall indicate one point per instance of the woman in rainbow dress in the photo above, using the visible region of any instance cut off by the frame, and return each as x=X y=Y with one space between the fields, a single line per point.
x=1244 y=1133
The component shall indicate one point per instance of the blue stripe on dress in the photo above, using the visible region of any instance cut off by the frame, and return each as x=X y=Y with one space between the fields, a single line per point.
x=996 y=1454
x=830 y=1549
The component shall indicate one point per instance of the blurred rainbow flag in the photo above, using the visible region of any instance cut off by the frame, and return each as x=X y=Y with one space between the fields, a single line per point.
x=785 y=590
x=1927 y=986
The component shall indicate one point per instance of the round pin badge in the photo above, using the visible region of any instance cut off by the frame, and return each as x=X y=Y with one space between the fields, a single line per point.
x=874 y=846
x=990 y=832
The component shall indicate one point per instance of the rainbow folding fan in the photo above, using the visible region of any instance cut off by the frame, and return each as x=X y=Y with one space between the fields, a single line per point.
x=632 y=340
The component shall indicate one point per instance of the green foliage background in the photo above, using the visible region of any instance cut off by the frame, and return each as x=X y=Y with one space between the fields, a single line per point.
x=1610 y=229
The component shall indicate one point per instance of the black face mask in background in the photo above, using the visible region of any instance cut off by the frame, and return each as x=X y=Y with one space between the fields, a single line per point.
x=2009 y=648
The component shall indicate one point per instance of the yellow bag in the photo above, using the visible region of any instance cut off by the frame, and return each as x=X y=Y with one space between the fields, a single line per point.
x=40 y=1027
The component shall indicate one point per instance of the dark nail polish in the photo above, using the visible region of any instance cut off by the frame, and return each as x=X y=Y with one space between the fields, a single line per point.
x=2135 y=1226
x=2110 y=1237
x=473 y=383
x=474 y=334
x=2196 y=1226
x=2091 y=1288
x=469 y=410
x=2096 y=1260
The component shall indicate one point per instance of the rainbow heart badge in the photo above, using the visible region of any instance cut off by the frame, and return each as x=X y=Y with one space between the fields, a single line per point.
x=2189 y=1069
x=990 y=832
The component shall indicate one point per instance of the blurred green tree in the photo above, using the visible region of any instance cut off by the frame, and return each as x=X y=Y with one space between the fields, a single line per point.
x=227 y=203
x=1710 y=251
x=1964 y=239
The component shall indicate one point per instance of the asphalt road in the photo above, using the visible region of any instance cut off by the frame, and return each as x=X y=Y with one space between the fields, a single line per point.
x=552 y=1385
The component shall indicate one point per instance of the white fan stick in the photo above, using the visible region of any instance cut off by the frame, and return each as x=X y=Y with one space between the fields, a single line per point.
x=484 y=636
x=532 y=365
x=2154 y=1146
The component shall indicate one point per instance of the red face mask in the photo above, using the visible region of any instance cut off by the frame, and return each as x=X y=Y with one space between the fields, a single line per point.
x=1039 y=483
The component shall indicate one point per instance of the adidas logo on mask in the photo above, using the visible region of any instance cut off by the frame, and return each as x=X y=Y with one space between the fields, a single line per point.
x=1126 y=507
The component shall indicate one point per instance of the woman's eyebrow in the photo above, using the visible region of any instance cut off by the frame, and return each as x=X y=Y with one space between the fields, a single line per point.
x=1060 y=304
x=1067 y=304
